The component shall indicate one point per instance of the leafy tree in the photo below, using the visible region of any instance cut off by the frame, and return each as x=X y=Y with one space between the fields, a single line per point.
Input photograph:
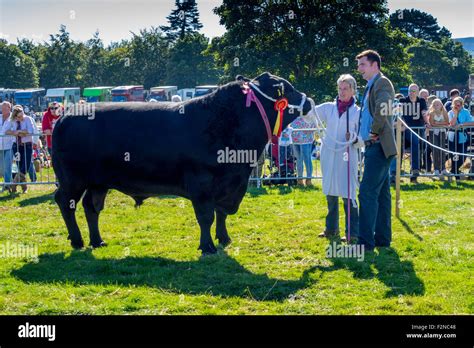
x=429 y=63
x=419 y=25
x=309 y=42
x=117 y=65
x=17 y=70
x=184 y=19
x=435 y=58
x=149 y=53
x=62 y=62
x=94 y=74
x=189 y=64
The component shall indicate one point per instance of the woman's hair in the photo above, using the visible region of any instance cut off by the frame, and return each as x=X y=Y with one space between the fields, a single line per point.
x=350 y=80
x=460 y=100
x=16 y=110
x=432 y=110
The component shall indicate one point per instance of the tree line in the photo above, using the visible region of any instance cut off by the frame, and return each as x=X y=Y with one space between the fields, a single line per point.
x=309 y=42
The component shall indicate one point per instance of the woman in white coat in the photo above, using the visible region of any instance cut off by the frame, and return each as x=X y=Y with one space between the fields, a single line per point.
x=341 y=118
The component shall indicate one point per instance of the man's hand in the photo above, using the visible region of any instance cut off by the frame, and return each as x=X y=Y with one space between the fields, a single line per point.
x=374 y=136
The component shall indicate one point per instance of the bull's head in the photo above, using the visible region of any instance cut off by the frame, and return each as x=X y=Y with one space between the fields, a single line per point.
x=276 y=87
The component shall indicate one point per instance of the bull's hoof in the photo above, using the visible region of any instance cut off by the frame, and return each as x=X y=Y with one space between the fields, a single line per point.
x=225 y=242
x=208 y=249
x=77 y=244
x=100 y=244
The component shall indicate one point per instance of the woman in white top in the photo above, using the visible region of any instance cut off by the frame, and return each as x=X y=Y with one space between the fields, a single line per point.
x=22 y=127
x=342 y=122
x=438 y=117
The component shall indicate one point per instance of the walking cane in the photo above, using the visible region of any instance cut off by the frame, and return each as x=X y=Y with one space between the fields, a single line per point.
x=348 y=215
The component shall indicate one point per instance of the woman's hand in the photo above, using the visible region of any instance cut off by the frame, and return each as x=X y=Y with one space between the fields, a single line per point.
x=374 y=136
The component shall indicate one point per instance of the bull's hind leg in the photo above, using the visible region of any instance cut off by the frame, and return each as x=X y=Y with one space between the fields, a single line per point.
x=67 y=201
x=221 y=229
x=93 y=203
x=204 y=211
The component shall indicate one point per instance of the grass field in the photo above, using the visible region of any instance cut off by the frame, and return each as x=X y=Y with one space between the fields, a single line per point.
x=275 y=264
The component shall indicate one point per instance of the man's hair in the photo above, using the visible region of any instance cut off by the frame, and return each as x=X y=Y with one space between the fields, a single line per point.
x=6 y=103
x=454 y=92
x=372 y=56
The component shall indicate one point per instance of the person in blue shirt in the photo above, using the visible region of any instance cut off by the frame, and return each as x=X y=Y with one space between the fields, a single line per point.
x=454 y=93
x=458 y=139
x=376 y=129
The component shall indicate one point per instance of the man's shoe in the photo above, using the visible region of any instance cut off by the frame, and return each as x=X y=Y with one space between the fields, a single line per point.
x=308 y=182
x=300 y=182
x=329 y=234
x=414 y=179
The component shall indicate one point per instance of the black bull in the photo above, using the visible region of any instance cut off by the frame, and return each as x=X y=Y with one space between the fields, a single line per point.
x=152 y=149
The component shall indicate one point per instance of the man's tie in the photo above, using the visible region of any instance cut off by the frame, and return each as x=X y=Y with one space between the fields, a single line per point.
x=18 y=127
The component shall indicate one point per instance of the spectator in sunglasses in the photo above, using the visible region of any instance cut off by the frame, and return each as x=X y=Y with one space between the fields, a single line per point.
x=50 y=118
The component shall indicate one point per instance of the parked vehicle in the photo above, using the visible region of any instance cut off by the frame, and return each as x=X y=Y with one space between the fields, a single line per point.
x=128 y=93
x=63 y=95
x=162 y=93
x=32 y=98
x=7 y=94
x=97 y=94
x=186 y=93
x=203 y=90
x=404 y=90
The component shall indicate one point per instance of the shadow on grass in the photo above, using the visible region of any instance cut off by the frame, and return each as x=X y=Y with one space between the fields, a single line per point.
x=218 y=274
x=399 y=276
x=283 y=189
x=407 y=227
x=254 y=191
x=454 y=185
x=46 y=198
x=9 y=196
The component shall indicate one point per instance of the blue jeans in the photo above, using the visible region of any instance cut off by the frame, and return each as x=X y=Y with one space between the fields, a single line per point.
x=284 y=153
x=32 y=171
x=414 y=142
x=415 y=149
x=6 y=159
x=454 y=146
x=25 y=151
x=303 y=155
x=375 y=226
x=332 y=219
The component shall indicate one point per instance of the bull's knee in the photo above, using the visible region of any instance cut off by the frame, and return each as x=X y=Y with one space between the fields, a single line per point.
x=65 y=201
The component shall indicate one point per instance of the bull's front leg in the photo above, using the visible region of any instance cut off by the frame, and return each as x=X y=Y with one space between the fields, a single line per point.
x=204 y=210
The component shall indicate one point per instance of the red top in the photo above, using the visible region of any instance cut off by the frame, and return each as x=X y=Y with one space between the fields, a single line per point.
x=48 y=123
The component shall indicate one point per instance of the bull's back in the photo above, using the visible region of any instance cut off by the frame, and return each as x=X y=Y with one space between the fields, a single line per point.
x=128 y=141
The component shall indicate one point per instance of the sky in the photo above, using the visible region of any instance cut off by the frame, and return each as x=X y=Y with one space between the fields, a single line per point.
x=115 y=19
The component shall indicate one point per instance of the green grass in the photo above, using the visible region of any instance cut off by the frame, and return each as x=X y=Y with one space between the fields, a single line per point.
x=275 y=264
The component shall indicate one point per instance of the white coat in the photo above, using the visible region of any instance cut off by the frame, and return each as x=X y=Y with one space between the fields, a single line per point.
x=335 y=157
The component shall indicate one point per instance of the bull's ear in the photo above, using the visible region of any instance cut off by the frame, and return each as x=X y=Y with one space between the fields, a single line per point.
x=241 y=78
x=264 y=76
